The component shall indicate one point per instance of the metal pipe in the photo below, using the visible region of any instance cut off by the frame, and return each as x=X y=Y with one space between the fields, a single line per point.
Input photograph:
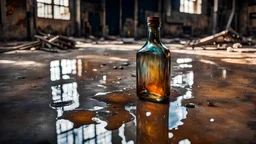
x=232 y=14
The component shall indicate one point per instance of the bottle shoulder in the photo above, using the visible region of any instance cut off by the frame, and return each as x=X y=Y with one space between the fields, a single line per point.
x=154 y=49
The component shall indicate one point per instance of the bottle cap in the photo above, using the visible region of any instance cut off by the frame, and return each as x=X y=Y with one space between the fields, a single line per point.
x=153 y=18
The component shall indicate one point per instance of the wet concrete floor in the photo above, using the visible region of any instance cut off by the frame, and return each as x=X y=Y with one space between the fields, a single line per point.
x=88 y=96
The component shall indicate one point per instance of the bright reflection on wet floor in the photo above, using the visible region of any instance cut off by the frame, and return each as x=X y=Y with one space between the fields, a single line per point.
x=65 y=97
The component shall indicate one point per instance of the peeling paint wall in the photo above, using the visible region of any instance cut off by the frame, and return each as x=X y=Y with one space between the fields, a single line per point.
x=178 y=23
x=53 y=26
x=14 y=19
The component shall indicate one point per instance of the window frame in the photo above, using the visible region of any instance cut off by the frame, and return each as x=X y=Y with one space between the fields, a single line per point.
x=44 y=4
x=196 y=7
x=53 y=10
x=61 y=5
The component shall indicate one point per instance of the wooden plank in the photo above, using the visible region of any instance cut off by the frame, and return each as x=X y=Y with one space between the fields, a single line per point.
x=51 y=43
x=21 y=47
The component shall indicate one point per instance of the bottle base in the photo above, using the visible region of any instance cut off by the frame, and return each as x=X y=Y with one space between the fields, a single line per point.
x=153 y=97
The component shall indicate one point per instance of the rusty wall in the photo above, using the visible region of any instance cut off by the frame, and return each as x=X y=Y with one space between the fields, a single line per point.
x=176 y=24
x=53 y=26
x=14 y=19
x=200 y=24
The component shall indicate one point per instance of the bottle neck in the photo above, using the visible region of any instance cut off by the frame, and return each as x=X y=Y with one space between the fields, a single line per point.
x=154 y=34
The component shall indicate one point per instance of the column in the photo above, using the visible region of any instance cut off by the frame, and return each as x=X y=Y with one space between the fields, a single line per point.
x=30 y=19
x=1 y=18
x=120 y=18
x=78 y=17
x=168 y=7
x=104 y=18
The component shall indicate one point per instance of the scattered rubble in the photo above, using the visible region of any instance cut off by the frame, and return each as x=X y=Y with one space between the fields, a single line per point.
x=120 y=67
x=225 y=37
x=45 y=42
x=125 y=64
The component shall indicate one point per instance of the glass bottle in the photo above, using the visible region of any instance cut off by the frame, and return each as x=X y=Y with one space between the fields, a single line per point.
x=153 y=63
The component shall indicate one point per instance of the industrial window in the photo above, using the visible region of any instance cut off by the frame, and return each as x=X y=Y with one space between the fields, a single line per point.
x=44 y=8
x=57 y=9
x=61 y=9
x=191 y=6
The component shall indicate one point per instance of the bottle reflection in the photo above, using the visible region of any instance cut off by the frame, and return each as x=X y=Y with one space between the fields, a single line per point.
x=152 y=122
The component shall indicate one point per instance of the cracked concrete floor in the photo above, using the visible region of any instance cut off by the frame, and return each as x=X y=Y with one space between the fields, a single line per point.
x=88 y=96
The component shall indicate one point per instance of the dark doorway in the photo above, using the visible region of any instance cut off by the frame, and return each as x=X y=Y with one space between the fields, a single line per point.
x=112 y=16
x=94 y=19
x=128 y=10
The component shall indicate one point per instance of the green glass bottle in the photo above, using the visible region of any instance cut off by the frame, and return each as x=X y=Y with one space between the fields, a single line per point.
x=153 y=66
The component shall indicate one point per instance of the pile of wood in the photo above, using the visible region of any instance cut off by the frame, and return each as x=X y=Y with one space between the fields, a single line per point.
x=52 y=43
x=47 y=43
x=226 y=38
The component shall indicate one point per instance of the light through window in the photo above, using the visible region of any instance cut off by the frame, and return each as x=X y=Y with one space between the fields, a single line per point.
x=61 y=9
x=191 y=6
x=57 y=9
x=44 y=8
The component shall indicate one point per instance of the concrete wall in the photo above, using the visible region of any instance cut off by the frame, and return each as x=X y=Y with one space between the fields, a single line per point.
x=13 y=19
x=175 y=24
x=200 y=24
x=53 y=26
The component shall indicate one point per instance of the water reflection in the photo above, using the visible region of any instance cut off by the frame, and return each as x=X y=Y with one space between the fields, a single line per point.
x=65 y=98
x=61 y=69
x=152 y=128
x=152 y=122
x=183 y=84
x=177 y=113
x=185 y=141
x=88 y=134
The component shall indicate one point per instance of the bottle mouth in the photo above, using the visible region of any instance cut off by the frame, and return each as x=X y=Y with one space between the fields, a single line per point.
x=153 y=21
x=152 y=18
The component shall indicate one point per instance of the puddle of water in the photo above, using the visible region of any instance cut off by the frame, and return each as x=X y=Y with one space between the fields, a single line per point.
x=123 y=113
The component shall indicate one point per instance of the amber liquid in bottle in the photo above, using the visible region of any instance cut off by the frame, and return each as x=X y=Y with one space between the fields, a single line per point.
x=153 y=63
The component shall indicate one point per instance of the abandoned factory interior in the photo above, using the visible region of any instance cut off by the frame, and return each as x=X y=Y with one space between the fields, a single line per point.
x=128 y=71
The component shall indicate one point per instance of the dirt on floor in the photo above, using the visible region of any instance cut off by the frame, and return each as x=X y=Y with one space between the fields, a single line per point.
x=88 y=96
